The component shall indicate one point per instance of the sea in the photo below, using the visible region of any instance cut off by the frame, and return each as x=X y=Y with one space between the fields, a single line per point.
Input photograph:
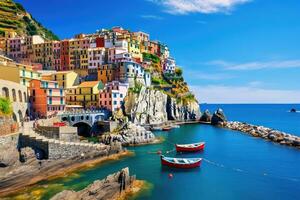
x=235 y=166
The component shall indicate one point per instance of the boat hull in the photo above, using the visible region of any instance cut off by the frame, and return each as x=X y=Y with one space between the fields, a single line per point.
x=182 y=166
x=189 y=149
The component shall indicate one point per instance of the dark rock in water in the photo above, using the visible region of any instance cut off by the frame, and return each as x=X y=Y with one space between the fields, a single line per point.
x=218 y=117
x=206 y=117
x=293 y=110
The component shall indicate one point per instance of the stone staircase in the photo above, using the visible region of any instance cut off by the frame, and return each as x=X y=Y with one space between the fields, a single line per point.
x=55 y=149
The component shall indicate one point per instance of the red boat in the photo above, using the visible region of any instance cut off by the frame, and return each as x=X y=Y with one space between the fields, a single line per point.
x=190 y=147
x=185 y=163
x=167 y=128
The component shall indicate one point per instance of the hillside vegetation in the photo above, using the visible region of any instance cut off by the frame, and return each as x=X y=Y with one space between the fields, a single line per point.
x=13 y=17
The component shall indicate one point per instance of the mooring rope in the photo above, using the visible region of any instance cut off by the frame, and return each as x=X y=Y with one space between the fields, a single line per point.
x=248 y=172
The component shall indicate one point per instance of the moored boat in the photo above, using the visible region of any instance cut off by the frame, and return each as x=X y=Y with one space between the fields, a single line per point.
x=190 y=147
x=168 y=128
x=185 y=163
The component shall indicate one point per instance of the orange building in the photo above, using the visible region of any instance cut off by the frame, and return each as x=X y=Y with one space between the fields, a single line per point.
x=46 y=98
x=107 y=73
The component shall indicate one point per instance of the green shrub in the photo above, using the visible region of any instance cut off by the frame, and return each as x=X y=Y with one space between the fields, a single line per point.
x=151 y=57
x=5 y=106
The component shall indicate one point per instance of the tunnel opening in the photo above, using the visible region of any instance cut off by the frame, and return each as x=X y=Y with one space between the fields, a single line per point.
x=83 y=129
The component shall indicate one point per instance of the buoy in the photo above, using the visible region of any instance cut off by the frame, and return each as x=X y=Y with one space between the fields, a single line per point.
x=170 y=175
x=158 y=152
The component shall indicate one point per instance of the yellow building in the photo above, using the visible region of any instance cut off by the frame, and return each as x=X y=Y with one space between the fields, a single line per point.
x=86 y=94
x=17 y=72
x=65 y=79
x=134 y=49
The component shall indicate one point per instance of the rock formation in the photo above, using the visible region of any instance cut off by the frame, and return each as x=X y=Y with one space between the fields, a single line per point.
x=218 y=117
x=179 y=112
x=106 y=189
x=206 y=116
x=130 y=134
x=154 y=107
x=266 y=133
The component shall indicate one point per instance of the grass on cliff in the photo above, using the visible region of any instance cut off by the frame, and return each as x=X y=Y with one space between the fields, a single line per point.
x=13 y=17
x=5 y=106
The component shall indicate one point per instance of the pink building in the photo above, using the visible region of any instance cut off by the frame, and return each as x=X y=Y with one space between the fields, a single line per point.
x=112 y=96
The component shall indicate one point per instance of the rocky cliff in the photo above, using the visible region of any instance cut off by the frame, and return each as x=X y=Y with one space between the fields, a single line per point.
x=154 y=107
x=109 y=188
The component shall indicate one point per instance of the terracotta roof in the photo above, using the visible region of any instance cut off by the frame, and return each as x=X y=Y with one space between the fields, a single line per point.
x=88 y=84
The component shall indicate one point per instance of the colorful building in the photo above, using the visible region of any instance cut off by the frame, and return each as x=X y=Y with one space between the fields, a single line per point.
x=65 y=79
x=169 y=65
x=112 y=96
x=46 y=98
x=107 y=73
x=17 y=72
x=86 y=94
x=132 y=72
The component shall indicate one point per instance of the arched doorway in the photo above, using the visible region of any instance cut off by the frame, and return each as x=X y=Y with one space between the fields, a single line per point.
x=5 y=92
x=83 y=129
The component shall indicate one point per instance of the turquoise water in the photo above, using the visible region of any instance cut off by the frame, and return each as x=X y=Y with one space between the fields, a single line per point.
x=236 y=166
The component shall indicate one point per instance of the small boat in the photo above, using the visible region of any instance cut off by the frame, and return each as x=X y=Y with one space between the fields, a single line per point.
x=168 y=128
x=190 y=147
x=293 y=110
x=156 y=128
x=185 y=163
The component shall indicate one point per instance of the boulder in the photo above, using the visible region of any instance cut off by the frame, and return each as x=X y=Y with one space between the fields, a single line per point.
x=107 y=188
x=9 y=155
x=218 y=117
x=206 y=116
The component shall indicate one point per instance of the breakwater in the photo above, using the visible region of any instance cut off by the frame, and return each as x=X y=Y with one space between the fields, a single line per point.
x=263 y=132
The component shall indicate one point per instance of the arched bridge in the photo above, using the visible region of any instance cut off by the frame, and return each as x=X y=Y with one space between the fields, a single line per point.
x=83 y=120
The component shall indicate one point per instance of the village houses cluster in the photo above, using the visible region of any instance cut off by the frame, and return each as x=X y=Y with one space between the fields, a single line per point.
x=88 y=71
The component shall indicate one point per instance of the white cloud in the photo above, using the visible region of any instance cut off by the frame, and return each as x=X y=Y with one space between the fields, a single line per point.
x=243 y=94
x=198 y=6
x=152 y=17
x=279 y=64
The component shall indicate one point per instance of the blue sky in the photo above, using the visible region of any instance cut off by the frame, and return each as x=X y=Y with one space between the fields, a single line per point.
x=232 y=51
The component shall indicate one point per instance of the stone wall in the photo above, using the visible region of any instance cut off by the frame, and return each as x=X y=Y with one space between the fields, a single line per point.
x=56 y=149
x=65 y=133
x=8 y=126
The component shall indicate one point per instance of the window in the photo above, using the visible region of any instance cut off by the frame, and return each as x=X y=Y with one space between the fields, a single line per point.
x=20 y=96
x=50 y=100
x=121 y=95
x=115 y=102
x=14 y=95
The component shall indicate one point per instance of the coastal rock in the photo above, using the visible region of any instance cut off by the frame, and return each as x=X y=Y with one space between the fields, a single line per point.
x=179 y=112
x=206 y=116
x=149 y=107
x=266 y=133
x=105 y=189
x=130 y=134
x=218 y=117
x=154 y=107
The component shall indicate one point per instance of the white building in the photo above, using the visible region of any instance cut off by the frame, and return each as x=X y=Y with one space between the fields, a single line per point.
x=96 y=57
x=169 y=65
